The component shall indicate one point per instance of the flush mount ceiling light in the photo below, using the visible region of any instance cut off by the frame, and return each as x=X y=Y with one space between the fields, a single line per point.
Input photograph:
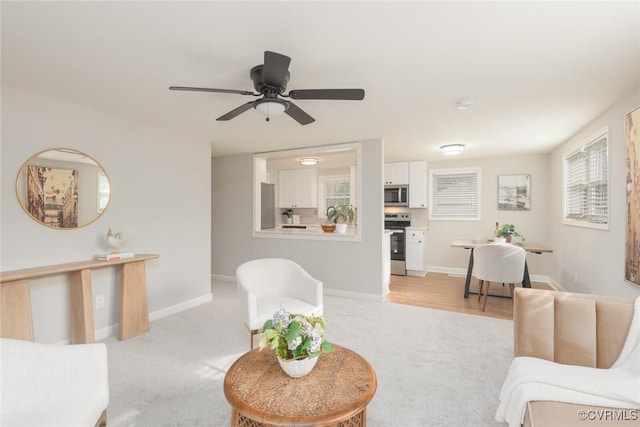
x=464 y=103
x=451 y=149
x=270 y=107
x=309 y=161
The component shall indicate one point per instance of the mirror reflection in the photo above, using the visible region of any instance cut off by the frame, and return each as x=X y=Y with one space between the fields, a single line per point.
x=63 y=188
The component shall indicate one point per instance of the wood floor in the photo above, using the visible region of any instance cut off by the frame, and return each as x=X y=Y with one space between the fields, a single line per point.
x=444 y=292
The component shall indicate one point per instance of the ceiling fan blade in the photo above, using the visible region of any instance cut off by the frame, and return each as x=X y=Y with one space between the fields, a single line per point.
x=205 y=89
x=276 y=67
x=236 y=112
x=348 y=94
x=297 y=114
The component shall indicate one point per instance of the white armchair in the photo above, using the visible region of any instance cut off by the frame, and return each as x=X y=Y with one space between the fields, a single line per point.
x=268 y=284
x=53 y=385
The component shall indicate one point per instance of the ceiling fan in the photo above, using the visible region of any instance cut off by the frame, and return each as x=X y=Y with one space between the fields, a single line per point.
x=270 y=81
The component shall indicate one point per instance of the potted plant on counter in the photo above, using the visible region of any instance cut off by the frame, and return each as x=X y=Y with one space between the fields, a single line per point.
x=288 y=213
x=341 y=215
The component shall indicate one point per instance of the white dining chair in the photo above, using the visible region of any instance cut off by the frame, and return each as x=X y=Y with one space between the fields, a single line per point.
x=499 y=263
x=269 y=284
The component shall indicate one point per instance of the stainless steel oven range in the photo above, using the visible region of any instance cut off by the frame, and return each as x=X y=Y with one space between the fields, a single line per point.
x=397 y=223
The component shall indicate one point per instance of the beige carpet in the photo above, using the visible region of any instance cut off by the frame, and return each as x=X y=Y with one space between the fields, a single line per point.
x=434 y=368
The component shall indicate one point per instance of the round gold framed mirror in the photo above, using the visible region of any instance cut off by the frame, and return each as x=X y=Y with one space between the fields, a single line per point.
x=63 y=188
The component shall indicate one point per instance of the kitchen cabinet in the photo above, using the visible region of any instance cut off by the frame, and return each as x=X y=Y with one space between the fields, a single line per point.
x=415 y=251
x=396 y=173
x=298 y=188
x=418 y=184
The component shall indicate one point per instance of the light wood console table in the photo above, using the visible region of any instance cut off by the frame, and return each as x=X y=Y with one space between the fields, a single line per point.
x=15 y=298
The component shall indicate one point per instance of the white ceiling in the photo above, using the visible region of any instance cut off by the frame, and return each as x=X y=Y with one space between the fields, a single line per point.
x=538 y=71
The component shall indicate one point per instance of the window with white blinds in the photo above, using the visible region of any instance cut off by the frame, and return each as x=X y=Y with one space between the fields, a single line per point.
x=333 y=190
x=586 y=184
x=455 y=194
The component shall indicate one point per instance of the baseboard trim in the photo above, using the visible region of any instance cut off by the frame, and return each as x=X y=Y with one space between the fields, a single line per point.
x=352 y=295
x=462 y=272
x=112 y=330
x=556 y=286
x=447 y=270
x=223 y=277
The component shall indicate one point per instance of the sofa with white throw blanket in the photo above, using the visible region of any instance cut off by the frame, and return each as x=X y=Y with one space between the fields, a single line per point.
x=577 y=361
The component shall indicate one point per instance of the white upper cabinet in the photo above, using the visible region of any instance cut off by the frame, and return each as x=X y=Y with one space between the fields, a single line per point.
x=298 y=188
x=418 y=184
x=396 y=173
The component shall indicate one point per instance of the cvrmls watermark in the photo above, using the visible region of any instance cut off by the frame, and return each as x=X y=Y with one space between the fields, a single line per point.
x=609 y=415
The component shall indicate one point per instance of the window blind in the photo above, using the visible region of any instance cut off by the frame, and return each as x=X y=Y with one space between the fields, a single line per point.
x=334 y=190
x=586 y=196
x=455 y=194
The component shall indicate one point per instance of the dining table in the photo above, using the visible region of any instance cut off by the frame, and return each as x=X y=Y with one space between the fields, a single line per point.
x=532 y=247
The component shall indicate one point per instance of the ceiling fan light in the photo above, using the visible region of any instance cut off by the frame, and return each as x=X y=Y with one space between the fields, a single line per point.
x=270 y=107
x=308 y=161
x=452 y=149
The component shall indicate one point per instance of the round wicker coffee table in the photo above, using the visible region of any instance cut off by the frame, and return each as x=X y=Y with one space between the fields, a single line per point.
x=335 y=393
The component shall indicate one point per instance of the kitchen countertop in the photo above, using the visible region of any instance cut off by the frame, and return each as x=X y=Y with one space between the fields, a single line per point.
x=312 y=231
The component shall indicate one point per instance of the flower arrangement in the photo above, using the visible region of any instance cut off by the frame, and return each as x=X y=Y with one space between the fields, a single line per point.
x=295 y=336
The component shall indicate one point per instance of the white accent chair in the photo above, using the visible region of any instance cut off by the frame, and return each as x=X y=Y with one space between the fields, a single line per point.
x=500 y=263
x=53 y=385
x=269 y=284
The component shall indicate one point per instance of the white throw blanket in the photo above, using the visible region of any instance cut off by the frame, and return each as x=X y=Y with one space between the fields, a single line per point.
x=532 y=379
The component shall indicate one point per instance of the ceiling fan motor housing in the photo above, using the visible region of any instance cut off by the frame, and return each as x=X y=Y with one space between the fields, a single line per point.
x=257 y=76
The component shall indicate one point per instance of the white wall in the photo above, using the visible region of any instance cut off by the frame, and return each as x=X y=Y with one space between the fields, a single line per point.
x=341 y=265
x=595 y=257
x=160 y=199
x=533 y=224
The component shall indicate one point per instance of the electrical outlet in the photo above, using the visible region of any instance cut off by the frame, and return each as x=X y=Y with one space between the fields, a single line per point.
x=99 y=302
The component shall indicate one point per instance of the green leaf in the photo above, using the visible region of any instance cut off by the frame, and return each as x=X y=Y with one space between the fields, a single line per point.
x=268 y=325
x=327 y=347
x=294 y=331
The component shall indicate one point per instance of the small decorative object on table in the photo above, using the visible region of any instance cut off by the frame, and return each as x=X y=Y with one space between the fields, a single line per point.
x=506 y=231
x=114 y=241
x=297 y=339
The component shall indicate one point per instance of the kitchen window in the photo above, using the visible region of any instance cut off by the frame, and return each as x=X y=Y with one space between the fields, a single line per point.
x=586 y=184
x=455 y=194
x=333 y=190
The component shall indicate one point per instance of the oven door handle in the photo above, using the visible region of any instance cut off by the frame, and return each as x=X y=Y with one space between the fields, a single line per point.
x=397 y=231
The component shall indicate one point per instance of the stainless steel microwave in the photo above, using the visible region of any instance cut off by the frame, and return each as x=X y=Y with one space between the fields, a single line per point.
x=396 y=195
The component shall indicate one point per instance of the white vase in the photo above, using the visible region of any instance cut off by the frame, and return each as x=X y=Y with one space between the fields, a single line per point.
x=500 y=240
x=341 y=228
x=298 y=368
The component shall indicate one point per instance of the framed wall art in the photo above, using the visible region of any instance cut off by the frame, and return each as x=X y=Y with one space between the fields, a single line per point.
x=514 y=192
x=632 y=245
